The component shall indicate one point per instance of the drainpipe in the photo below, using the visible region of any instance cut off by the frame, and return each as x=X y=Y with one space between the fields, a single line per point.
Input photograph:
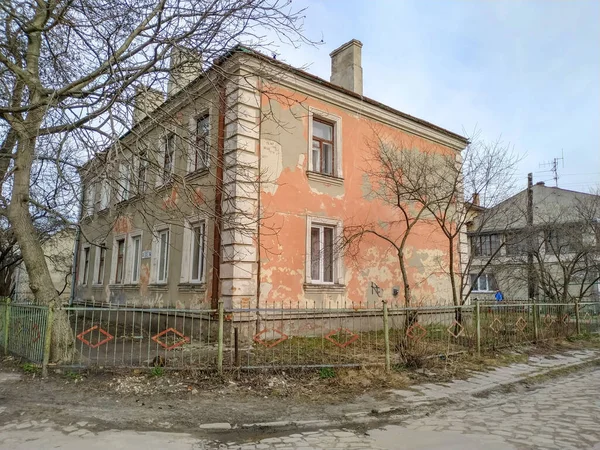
x=216 y=272
x=258 y=150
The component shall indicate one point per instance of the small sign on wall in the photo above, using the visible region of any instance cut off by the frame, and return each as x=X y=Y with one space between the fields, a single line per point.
x=146 y=254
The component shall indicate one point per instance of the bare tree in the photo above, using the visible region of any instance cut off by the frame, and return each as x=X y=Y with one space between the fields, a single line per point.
x=398 y=173
x=68 y=73
x=486 y=170
x=564 y=243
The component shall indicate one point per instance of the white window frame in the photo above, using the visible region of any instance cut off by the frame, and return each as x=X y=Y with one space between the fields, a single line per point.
x=158 y=230
x=131 y=257
x=187 y=255
x=141 y=160
x=192 y=127
x=488 y=284
x=338 y=269
x=161 y=179
x=83 y=280
x=99 y=248
x=90 y=198
x=104 y=194
x=124 y=182
x=114 y=257
x=337 y=140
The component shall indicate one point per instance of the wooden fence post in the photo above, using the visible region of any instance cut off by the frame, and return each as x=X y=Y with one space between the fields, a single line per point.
x=386 y=336
x=478 y=326
x=220 y=340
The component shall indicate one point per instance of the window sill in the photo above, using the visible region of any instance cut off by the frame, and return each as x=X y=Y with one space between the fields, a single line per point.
x=97 y=286
x=323 y=178
x=483 y=292
x=196 y=174
x=192 y=287
x=324 y=288
x=115 y=286
x=163 y=287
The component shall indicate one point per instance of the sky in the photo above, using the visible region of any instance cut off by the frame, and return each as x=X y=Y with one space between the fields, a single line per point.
x=527 y=72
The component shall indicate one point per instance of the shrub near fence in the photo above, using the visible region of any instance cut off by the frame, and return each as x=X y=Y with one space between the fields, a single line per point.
x=124 y=336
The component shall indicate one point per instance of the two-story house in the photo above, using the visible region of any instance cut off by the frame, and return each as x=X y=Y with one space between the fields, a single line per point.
x=238 y=187
x=555 y=254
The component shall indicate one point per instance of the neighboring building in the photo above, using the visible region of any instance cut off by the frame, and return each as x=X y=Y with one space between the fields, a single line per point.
x=58 y=250
x=239 y=188
x=563 y=241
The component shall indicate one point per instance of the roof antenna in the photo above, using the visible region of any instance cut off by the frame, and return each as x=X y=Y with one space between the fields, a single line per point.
x=554 y=166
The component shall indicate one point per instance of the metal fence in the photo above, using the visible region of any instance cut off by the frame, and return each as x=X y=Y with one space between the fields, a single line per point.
x=324 y=336
x=23 y=330
x=118 y=336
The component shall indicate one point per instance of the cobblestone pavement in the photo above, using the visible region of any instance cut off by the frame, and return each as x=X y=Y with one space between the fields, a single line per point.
x=563 y=413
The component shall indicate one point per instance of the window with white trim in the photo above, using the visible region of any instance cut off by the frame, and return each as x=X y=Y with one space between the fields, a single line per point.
x=124 y=181
x=142 y=170
x=168 y=156
x=163 y=256
x=486 y=282
x=90 y=198
x=323 y=260
x=120 y=260
x=198 y=252
x=201 y=153
x=136 y=258
x=85 y=265
x=104 y=199
x=101 y=251
x=325 y=144
x=323 y=148
x=321 y=253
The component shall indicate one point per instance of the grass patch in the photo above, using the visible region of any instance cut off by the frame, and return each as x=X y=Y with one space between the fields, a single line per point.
x=157 y=372
x=30 y=368
x=326 y=372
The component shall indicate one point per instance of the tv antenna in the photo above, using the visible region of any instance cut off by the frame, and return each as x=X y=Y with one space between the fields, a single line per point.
x=553 y=166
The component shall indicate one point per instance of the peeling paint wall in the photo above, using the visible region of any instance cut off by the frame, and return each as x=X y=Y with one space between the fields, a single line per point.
x=289 y=195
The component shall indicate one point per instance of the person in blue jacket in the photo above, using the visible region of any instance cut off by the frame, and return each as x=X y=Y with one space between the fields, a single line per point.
x=499 y=296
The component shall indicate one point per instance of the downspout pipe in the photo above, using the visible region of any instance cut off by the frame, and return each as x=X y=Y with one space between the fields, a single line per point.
x=217 y=250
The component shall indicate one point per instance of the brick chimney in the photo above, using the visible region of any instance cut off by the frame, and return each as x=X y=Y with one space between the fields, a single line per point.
x=475 y=199
x=185 y=66
x=146 y=101
x=346 y=66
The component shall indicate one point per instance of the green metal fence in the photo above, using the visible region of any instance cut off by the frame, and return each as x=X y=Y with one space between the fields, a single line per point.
x=380 y=334
x=23 y=330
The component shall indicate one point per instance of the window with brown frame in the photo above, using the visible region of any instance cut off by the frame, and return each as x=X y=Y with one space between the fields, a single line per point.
x=120 y=261
x=323 y=149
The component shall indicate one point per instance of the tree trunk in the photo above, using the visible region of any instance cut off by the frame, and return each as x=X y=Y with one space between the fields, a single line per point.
x=21 y=222
x=455 y=296
x=407 y=291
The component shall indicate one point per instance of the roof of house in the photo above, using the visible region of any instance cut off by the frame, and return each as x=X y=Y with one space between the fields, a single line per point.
x=550 y=205
x=307 y=75
x=240 y=49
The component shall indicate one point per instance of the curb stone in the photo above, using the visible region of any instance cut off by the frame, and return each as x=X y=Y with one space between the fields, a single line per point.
x=397 y=413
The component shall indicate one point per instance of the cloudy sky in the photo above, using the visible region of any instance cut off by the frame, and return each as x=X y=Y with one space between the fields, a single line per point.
x=528 y=71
